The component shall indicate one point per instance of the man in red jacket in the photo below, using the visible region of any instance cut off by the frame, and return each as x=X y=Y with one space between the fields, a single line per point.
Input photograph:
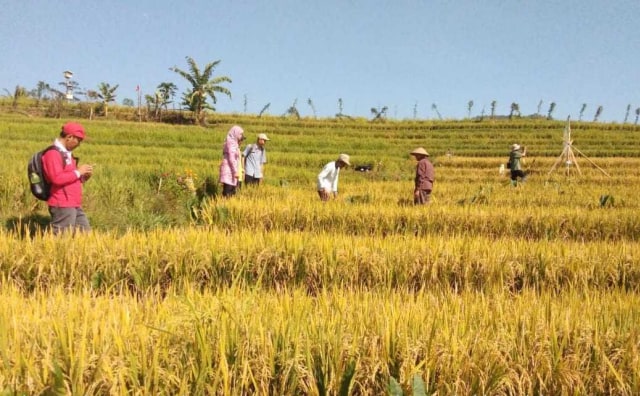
x=66 y=178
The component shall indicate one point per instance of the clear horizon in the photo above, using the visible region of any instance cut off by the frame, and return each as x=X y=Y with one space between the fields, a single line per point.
x=406 y=56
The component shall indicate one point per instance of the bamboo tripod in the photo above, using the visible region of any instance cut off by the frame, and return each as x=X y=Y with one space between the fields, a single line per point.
x=567 y=156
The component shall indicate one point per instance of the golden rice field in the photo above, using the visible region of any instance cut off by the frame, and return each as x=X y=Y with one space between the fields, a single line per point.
x=490 y=290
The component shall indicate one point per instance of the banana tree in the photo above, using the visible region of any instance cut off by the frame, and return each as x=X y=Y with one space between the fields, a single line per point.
x=203 y=87
x=107 y=94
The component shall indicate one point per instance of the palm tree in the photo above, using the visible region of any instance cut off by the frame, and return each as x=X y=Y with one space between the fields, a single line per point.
x=637 y=115
x=598 y=113
x=626 y=115
x=167 y=92
x=202 y=85
x=265 y=108
x=515 y=110
x=18 y=92
x=493 y=108
x=293 y=110
x=434 y=107
x=469 y=107
x=40 y=92
x=154 y=102
x=582 y=109
x=552 y=107
x=379 y=114
x=107 y=94
x=313 y=108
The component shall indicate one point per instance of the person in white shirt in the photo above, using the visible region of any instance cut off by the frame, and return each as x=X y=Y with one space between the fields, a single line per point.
x=328 y=177
x=255 y=156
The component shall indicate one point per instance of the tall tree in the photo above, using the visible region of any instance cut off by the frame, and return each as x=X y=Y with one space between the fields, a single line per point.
x=626 y=115
x=539 y=107
x=107 y=94
x=313 y=108
x=469 y=107
x=167 y=92
x=264 y=108
x=41 y=91
x=515 y=110
x=582 y=109
x=203 y=85
x=293 y=110
x=154 y=103
x=18 y=92
x=637 y=115
x=552 y=107
x=598 y=113
x=493 y=108
x=434 y=107
x=379 y=114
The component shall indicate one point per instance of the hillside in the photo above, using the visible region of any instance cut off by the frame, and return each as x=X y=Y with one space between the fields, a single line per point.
x=490 y=289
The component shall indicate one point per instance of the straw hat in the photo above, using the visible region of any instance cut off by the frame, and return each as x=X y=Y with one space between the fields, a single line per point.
x=420 y=151
x=344 y=158
x=515 y=147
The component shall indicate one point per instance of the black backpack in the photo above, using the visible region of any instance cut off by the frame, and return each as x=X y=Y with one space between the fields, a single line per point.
x=40 y=188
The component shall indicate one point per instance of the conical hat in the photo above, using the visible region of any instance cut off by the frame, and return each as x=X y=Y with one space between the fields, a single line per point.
x=420 y=151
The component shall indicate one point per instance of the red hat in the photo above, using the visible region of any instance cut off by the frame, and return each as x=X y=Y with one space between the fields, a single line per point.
x=74 y=129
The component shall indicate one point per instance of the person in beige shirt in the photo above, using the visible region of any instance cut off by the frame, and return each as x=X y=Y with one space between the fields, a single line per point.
x=425 y=176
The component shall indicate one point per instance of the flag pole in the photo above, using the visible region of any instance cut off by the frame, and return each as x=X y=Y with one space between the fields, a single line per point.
x=139 y=100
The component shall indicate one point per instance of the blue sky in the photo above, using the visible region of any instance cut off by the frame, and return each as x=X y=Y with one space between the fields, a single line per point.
x=406 y=55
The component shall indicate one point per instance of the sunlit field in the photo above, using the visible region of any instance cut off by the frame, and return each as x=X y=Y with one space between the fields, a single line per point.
x=489 y=290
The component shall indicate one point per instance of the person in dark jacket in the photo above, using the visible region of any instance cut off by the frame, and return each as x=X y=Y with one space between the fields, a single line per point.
x=425 y=176
x=515 y=164
x=66 y=178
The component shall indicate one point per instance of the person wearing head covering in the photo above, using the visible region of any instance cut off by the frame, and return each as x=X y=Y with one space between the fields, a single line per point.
x=425 y=176
x=328 y=177
x=255 y=156
x=231 y=166
x=515 y=164
x=66 y=178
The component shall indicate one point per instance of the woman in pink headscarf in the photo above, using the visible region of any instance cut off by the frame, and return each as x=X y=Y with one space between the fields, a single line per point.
x=230 y=166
